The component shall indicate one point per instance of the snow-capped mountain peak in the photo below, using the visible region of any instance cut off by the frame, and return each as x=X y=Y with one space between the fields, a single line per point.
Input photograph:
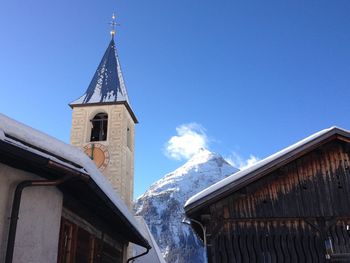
x=201 y=157
x=162 y=204
x=190 y=177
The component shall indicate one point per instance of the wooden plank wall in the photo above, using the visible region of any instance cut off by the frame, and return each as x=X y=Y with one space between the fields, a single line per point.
x=277 y=218
x=317 y=184
x=276 y=241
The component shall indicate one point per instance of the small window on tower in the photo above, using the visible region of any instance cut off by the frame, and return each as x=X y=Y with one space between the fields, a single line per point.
x=99 y=127
x=128 y=138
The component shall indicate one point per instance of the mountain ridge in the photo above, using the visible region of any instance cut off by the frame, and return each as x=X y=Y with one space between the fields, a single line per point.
x=162 y=205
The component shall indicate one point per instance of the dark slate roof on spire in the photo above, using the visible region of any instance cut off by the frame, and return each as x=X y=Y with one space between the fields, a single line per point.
x=107 y=85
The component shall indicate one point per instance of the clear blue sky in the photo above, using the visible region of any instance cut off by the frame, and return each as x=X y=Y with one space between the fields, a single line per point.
x=256 y=75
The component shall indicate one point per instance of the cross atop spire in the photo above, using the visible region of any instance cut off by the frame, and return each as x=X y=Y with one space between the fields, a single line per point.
x=107 y=84
x=113 y=24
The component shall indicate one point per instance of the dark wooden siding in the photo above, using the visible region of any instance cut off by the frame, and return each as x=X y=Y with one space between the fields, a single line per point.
x=316 y=185
x=77 y=245
x=287 y=215
x=277 y=241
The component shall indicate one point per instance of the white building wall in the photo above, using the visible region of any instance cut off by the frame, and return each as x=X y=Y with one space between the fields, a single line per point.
x=39 y=218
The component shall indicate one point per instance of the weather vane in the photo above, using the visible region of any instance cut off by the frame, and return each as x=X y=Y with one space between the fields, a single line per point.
x=113 y=24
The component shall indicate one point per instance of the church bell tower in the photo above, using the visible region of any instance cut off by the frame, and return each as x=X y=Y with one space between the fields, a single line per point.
x=103 y=123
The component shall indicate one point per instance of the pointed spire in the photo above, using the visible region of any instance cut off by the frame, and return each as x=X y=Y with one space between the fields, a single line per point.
x=107 y=84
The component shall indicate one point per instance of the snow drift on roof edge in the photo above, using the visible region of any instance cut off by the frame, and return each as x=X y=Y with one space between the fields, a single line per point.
x=68 y=152
x=256 y=166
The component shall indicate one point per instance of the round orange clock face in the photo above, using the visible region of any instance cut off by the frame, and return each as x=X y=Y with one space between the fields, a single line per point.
x=98 y=153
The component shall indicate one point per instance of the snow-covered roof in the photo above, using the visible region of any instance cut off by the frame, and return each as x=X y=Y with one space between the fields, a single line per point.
x=37 y=142
x=107 y=85
x=243 y=177
x=154 y=255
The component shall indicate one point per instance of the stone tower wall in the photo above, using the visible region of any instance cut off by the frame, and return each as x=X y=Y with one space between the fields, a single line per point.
x=120 y=144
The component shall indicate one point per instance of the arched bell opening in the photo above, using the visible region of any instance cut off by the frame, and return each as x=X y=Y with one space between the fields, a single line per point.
x=99 y=127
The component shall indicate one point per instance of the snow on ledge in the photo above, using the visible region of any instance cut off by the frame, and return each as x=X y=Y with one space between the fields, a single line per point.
x=71 y=153
x=239 y=176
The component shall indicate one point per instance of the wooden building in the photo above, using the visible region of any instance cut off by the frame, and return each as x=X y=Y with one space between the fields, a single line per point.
x=56 y=206
x=293 y=206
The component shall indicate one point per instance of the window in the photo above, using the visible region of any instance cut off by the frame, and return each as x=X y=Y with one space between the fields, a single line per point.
x=99 y=127
x=77 y=245
x=66 y=242
x=128 y=138
x=84 y=246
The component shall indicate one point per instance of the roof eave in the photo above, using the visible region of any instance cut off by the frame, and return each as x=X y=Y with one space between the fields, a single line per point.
x=131 y=112
x=334 y=133
x=40 y=161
